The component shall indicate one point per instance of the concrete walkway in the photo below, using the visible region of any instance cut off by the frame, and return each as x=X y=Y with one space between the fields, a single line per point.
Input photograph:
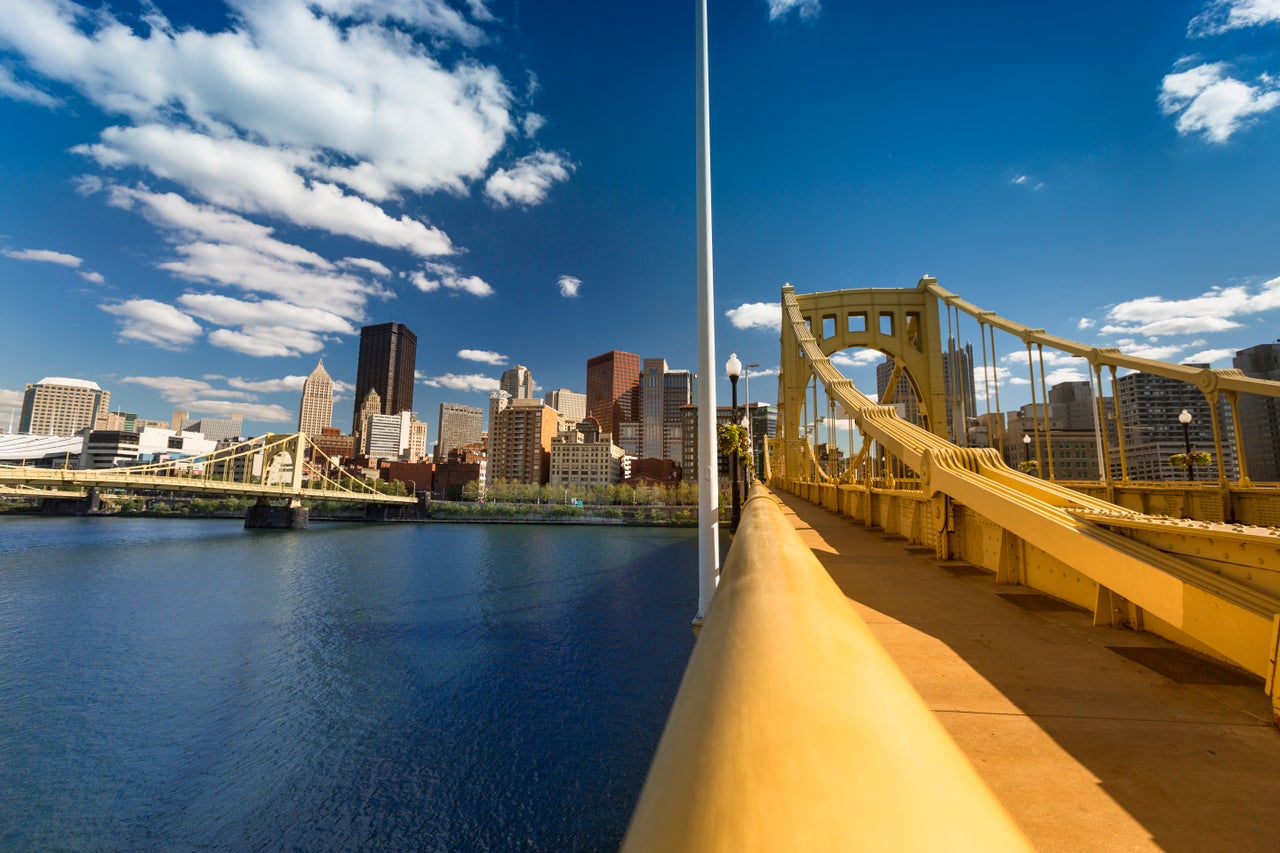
x=1088 y=748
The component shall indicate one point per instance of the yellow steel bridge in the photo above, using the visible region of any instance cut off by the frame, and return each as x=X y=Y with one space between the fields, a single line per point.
x=793 y=729
x=287 y=468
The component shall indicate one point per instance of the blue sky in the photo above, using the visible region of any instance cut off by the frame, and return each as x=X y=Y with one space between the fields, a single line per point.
x=198 y=201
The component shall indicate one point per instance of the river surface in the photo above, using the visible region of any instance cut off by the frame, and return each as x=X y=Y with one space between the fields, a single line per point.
x=182 y=684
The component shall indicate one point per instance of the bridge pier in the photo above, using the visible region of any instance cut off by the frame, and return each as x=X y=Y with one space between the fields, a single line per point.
x=90 y=504
x=264 y=515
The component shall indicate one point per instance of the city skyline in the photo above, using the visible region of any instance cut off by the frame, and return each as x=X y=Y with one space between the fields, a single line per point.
x=520 y=189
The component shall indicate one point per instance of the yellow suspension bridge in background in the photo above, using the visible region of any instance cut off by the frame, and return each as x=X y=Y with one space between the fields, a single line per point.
x=287 y=469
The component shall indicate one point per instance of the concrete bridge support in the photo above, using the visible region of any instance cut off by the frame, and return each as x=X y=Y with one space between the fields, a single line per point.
x=264 y=515
x=90 y=504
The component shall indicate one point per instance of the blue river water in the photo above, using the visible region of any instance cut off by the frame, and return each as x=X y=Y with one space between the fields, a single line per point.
x=184 y=684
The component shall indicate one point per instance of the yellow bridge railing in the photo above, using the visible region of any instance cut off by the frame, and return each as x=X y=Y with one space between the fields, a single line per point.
x=794 y=730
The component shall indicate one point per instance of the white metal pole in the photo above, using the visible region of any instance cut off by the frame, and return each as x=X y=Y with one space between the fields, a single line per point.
x=709 y=484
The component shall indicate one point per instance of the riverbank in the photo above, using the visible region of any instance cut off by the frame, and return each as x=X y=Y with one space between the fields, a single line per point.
x=430 y=512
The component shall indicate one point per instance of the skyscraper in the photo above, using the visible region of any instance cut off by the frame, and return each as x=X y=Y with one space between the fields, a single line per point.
x=387 y=359
x=1260 y=416
x=662 y=393
x=459 y=425
x=315 y=413
x=518 y=382
x=571 y=405
x=58 y=406
x=613 y=389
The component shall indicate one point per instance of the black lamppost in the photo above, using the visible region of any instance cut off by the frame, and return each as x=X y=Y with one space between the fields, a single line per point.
x=1185 y=420
x=733 y=367
x=1026 y=456
x=746 y=392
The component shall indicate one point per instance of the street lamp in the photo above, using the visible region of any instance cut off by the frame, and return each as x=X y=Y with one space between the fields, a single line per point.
x=1185 y=419
x=746 y=392
x=733 y=368
x=1026 y=444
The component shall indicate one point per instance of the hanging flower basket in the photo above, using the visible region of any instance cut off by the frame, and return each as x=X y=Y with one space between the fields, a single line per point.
x=1198 y=458
x=1029 y=467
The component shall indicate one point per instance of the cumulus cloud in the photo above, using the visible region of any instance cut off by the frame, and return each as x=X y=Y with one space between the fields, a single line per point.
x=1214 y=311
x=153 y=322
x=807 y=9
x=203 y=397
x=1219 y=16
x=258 y=179
x=61 y=259
x=483 y=356
x=1210 y=102
x=1209 y=356
x=44 y=256
x=434 y=276
x=466 y=382
x=861 y=357
x=569 y=286
x=756 y=315
x=286 y=384
x=323 y=115
x=529 y=180
x=14 y=89
x=10 y=398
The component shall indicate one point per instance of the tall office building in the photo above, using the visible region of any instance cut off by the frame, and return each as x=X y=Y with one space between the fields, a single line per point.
x=1148 y=408
x=958 y=389
x=662 y=393
x=59 y=406
x=388 y=353
x=315 y=413
x=520 y=442
x=613 y=390
x=518 y=382
x=572 y=405
x=459 y=425
x=1260 y=416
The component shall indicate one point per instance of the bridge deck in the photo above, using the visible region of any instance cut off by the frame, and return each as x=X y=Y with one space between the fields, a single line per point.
x=1087 y=748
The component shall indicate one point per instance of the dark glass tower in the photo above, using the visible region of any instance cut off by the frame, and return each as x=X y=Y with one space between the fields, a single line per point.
x=388 y=353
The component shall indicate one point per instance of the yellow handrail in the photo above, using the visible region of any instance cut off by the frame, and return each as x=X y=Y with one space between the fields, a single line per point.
x=794 y=730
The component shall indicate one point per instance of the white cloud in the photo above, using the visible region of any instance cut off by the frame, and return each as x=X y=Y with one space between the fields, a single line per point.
x=154 y=323
x=177 y=389
x=1214 y=104
x=469 y=382
x=260 y=412
x=756 y=315
x=1209 y=356
x=529 y=180
x=1213 y=311
x=44 y=256
x=531 y=124
x=1021 y=179
x=265 y=341
x=807 y=9
x=10 y=399
x=259 y=179
x=1085 y=323
x=860 y=357
x=225 y=311
x=287 y=384
x=366 y=264
x=95 y=277
x=434 y=276
x=16 y=90
x=569 y=286
x=339 y=80
x=483 y=356
x=1219 y=16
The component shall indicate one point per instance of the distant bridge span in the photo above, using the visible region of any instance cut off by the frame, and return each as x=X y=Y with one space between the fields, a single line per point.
x=289 y=468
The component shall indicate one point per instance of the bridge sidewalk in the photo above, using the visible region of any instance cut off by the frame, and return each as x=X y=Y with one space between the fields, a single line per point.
x=1088 y=749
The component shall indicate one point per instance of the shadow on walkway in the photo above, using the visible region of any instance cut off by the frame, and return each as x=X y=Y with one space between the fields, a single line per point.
x=1088 y=748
